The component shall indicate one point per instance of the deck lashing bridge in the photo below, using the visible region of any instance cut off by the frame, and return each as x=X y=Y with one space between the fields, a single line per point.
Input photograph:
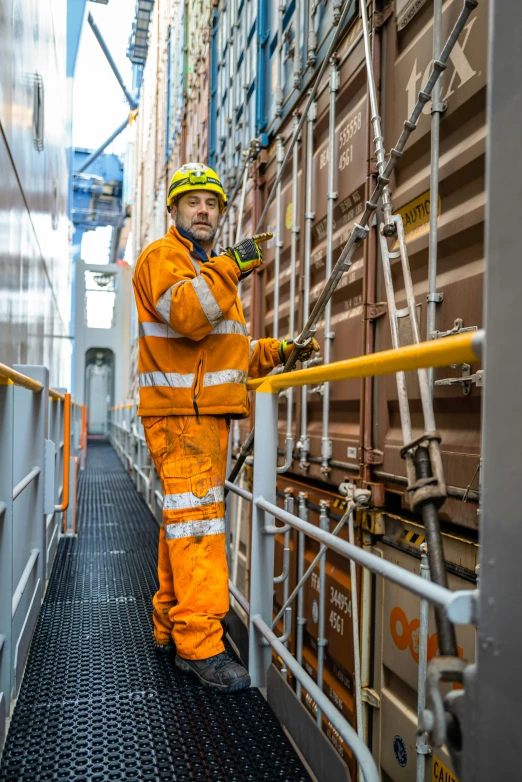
x=97 y=701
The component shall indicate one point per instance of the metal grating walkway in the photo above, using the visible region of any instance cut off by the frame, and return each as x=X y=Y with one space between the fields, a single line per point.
x=97 y=702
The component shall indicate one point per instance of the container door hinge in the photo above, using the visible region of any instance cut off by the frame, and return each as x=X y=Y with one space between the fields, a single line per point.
x=458 y=328
x=375 y=311
x=372 y=456
x=370 y=697
x=380 y=19
x=373 y=522
x=466 y=381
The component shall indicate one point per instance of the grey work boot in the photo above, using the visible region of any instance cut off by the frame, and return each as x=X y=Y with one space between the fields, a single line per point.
x=219 y=672
x=168 y=648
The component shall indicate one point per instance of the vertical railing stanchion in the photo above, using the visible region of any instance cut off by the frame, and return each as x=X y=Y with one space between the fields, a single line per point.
x=6 y=543
x=301 y=619
x=324 y=523
x=262 y=551
x=423 y=749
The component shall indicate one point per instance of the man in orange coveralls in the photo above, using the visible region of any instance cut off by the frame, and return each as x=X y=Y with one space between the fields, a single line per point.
x=195 y=356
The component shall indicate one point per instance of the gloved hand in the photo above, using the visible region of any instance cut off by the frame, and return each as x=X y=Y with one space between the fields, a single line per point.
x=305 y=353
x=248 y=253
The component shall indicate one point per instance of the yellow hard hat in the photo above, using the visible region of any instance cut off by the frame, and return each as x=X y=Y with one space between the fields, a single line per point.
x=196 y=176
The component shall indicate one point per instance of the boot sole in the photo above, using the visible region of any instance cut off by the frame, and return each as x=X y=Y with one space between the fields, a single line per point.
x=233 y=687
x=165 y=648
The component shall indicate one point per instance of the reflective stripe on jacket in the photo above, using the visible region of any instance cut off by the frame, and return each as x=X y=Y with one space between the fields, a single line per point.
x=195 y=353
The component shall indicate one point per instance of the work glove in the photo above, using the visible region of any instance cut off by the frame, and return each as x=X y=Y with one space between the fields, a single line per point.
x=304 y=353
x=248 y=253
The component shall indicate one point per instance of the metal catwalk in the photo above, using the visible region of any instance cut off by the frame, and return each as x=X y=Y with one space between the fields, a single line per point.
x=97 y=701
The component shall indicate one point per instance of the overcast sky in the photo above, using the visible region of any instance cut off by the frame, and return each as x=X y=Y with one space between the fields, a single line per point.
x=99 y=103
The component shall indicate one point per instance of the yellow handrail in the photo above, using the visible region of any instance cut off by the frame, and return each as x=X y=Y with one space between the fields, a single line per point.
x=462 y=348
x=20 y=380
x=56 y=395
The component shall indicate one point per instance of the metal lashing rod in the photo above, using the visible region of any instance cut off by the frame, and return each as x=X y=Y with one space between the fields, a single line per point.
x=360 y=230
x=437 y=108
x=289 y=439
x=304 y=440
x=326 y=443
x=378 y=139
x=311 y=99
x=419 y=463
x=280 y=153
x=248 y=156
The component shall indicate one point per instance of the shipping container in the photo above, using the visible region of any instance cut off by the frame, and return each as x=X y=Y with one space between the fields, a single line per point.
x=233 y=99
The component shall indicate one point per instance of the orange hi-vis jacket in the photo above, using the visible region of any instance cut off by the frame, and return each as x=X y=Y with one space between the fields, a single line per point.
x=195 y=354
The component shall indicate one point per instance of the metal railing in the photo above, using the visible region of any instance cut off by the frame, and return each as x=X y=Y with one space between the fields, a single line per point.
x=128 y=440
x=39 y=445
x=460 y=606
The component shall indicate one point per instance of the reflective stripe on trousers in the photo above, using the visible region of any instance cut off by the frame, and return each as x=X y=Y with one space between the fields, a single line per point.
x=190 y=456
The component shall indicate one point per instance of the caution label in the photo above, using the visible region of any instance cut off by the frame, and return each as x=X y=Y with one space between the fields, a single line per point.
x=441 y=773
x=416 y=213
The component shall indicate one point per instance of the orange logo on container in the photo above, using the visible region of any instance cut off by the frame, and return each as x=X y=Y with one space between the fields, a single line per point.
x=405 y=635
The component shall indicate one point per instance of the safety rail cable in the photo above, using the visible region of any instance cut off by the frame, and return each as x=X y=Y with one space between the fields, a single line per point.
x=360 y=230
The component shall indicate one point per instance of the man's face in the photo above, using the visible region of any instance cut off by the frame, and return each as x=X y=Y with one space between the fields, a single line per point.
x=198 y=214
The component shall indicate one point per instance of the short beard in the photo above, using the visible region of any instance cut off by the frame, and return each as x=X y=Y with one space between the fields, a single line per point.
x=194 y=231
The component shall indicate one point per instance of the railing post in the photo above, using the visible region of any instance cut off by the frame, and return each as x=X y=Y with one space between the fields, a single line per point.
x=262 y=552
x=56 y=434
x=29 y=528
x=6 y=545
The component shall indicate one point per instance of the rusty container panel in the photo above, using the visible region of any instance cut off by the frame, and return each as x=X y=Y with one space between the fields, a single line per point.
x=397 y=644
x=340 y=697
x=460 y=239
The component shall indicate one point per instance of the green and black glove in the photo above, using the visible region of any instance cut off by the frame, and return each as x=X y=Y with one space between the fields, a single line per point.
x=248 y=253
x=304 y=353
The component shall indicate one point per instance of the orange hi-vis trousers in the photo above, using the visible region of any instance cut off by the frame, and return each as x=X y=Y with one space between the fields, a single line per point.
x=190 y=455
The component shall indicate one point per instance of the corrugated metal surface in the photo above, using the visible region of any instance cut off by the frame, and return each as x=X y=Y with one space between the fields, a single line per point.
x=34 y=253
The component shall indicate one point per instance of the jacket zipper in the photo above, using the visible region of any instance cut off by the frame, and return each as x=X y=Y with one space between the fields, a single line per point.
x=198 y=380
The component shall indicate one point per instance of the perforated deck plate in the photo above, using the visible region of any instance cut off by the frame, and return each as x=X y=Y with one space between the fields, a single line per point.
x=97 y=701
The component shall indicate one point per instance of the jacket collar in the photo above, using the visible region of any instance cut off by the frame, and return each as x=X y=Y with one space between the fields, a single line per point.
x=195 y=248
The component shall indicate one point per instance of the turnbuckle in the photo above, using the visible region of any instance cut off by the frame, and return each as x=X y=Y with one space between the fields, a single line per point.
x=431 y=486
